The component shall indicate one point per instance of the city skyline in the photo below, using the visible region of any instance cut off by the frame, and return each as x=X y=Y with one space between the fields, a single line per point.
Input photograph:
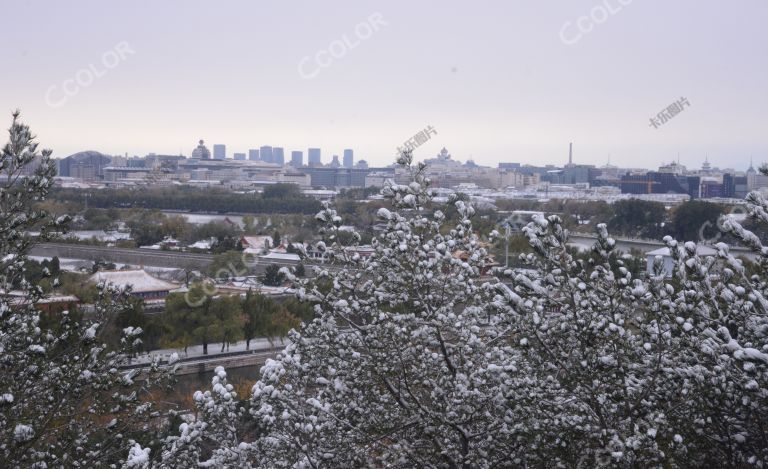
x=508 y=82
x=256 y=154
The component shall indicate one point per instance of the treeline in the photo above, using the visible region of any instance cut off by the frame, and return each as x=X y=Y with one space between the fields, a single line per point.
x=695 y=220
x=280 y=198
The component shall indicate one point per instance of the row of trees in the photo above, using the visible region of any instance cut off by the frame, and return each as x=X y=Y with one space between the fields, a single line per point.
x=280 y=198
x=693 y=220
x=197 y=317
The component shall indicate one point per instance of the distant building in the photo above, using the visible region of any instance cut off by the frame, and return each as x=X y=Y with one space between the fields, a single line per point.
x=711 y=187
x=239 y=156
x=755 y=180
x=674 y=168
x=219 y=151
x=341 y=177
x=349 y=158
x=297 y=159
x=301 y=179
x=571 y=174
x=165 y=162
x=278 y=156
x=84 y=165
x=335 y=162
x=377 y=179
x=735 y=186
x=313 y=157
x=201 y=152
x=661 y=183
x=265 y=153
x=253 y=154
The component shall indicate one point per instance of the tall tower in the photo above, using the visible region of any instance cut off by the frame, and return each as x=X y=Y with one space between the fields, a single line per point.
x=278 y=155
x=751 y=176
x=570 y=154
x=313 y=157
x=219 y=151
x=265 y=153
x=348 y=158
x=297 y=159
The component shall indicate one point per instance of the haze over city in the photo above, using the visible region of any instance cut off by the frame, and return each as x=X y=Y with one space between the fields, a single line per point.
x=499 y=81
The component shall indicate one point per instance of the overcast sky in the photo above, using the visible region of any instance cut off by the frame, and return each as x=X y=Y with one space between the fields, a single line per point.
x=498 y=80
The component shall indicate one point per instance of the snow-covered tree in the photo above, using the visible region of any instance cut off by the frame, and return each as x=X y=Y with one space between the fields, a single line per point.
x=63 y=399
x=639 y=371
x=420 y=355
x=407 y=359
x=212 y=439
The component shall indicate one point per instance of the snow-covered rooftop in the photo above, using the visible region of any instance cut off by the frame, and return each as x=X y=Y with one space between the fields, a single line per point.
x=257 y=242
x=139 y=280
x=279 y=256
x=700 y=250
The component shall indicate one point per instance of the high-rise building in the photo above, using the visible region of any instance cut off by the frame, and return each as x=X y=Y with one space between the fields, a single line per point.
x=297 y=159
x=335 y=162
x=349 y=159
x=278 y=155
x=253 y=154
x=219 y=151
x=266 y=154
x=313 y=157
x=239 y=156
